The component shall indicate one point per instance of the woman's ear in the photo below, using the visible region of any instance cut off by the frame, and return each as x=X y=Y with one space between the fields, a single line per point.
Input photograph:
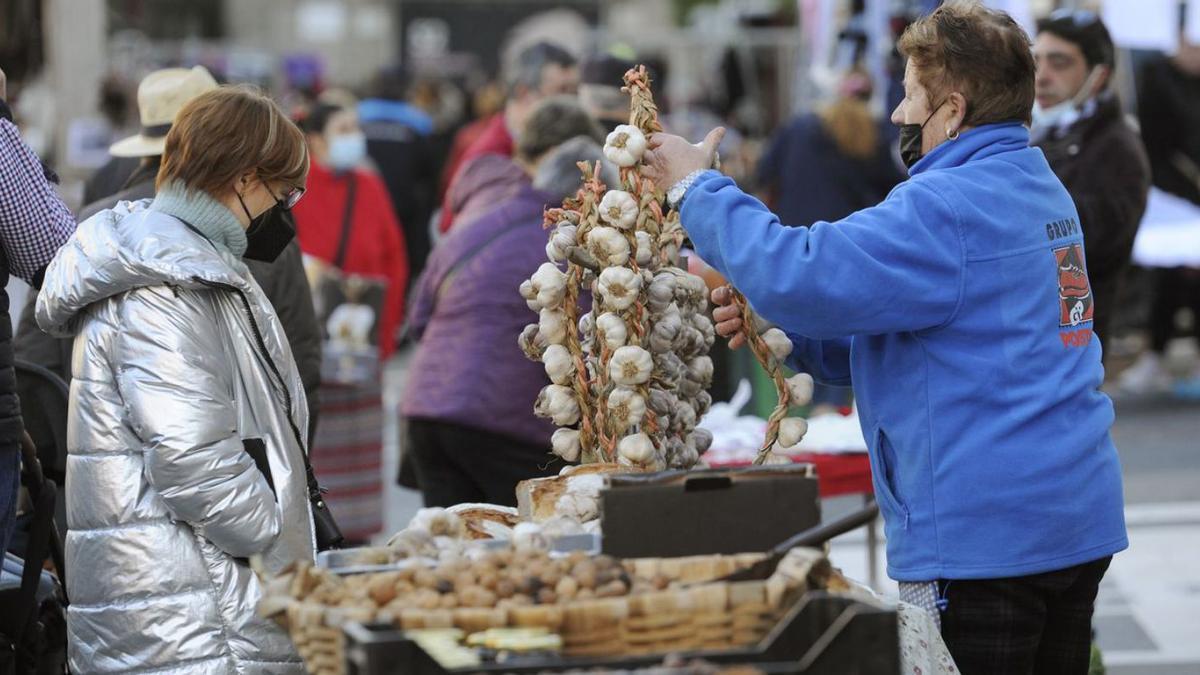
x=243 y=182
x=956 y=104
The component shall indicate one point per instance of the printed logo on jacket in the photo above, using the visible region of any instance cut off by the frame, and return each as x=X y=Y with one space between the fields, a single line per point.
x=1075 y=302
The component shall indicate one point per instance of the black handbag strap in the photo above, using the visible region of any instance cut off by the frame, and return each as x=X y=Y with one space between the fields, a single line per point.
x=339 y=260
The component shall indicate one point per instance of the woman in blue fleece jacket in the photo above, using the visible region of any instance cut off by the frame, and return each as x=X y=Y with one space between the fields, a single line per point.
x=960 y=311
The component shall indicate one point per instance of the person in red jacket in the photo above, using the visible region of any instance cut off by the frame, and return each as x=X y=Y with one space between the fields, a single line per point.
x=343 y=198
x=540 y=71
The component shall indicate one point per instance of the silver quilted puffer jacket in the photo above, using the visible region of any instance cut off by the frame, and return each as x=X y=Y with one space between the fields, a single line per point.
x=180 y=368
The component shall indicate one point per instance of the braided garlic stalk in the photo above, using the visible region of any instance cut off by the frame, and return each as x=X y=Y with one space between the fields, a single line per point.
x=771 y=348
x=628 y=377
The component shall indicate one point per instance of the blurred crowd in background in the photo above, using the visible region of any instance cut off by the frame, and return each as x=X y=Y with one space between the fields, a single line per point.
x=422 y=116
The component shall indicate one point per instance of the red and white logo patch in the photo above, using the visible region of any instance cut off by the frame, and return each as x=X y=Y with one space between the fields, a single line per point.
x=1075 y=301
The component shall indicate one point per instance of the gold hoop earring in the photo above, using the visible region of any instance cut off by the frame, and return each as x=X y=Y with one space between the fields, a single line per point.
x=952 y=137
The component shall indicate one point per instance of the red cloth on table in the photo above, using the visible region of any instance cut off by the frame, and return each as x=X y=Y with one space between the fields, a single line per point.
x=493 y=139
x=376 y=245
x=844 y=474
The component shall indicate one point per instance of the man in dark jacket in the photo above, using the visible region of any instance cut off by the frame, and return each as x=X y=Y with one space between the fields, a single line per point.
x=34 y=223
x=399 y=144
x=283 y=281
x=1167 y=103
x=1078 y=124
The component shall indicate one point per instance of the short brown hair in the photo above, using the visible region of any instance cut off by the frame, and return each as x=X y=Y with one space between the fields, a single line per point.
x=219 y=135
x=553 y=121
x=979 y=52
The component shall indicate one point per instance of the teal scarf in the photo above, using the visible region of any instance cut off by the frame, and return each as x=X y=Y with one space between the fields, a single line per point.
x=201 y=211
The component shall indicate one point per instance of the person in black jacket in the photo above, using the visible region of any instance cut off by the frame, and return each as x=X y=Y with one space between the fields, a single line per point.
x=1168 y=100
x=34 y=223
x=160 y=96
x=1078 y=124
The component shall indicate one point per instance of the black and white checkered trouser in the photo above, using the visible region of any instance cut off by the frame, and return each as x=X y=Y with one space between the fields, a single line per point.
x=1041 y=623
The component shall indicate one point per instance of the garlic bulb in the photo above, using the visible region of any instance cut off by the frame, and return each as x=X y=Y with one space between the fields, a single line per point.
x=779 y=343
x=685 y=457
x=696 y=288
x=531 y=341
x=800 y=386
x=552 y=324
x=700 y=368
x=791 y=431
x=661 y=292
x=565 y=443
x=669 y=252
x=625 y=145
x=560 y=367
x=549 y=284
x=564 y=232
x=561 y=242
x=665 y=331
x=685 y=418
x=678 y=453
x=643 y=255
x=701 y=439
x=661 y=401
x=689 y=388
x=702 y=323
x=608 y=246
x=530 y=295
x=557 y=403
x=690 y=341
x=612 y=328
x=636 y=449
x=586 y=324
x=668 y=368
x=626 y=407
x=702 y=403
x=619 y=287
x=630 y=366
x=619 y=209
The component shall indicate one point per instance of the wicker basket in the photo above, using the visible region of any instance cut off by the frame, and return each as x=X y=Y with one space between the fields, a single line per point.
x=703 y=615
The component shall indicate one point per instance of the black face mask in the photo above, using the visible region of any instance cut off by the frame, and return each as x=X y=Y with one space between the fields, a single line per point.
x=269 y=233
x=910 y=139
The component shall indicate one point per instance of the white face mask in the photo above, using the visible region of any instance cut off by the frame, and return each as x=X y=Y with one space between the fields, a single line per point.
x=1056 y=116
x=347 y=150
x=1065 y=114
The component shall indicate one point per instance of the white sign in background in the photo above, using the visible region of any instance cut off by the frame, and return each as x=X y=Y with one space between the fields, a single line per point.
x=1192 y=26
x=1144 y=24
x=1170 y=233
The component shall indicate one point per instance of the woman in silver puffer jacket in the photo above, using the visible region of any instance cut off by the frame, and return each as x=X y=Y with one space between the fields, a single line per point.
x=186 y=406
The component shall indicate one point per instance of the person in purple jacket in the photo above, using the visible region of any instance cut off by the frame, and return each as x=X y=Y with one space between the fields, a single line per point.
x=468 y=403
x=959 y=308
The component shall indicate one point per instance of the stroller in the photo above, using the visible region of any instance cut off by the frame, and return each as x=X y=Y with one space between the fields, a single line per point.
x=33 y=630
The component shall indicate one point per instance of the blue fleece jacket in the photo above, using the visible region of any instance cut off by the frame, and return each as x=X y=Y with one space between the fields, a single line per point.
x=959 y=309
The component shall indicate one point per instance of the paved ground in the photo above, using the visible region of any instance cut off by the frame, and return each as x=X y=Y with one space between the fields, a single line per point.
x=1148 y=612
